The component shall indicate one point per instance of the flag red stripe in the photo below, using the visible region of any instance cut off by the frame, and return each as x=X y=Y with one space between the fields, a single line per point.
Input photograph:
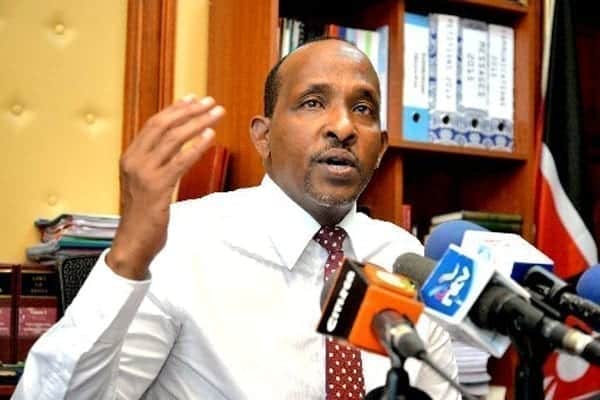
x=554 y=239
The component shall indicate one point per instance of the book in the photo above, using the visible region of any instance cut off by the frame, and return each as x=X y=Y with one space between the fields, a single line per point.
x=476 y=217
x=7 y=286
x=91 y=220
x=406 y=217
x=501 y=87
x=472 y=87
x=499 y=226
x=443 y=79
x=415 y=108
x=36 y=303
x=78 y=231
x=51 y=248
x=495 y=226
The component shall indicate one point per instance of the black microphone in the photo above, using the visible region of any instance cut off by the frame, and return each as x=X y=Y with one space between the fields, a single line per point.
x=499 y=309
x=560 y=295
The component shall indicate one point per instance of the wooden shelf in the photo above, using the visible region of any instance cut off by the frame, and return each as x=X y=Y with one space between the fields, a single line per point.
x=502 y=5
x=6 y=391
x=465 y=151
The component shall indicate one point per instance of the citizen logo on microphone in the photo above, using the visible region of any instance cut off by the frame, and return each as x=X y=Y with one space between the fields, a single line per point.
x=343 y=300
x=332 y=321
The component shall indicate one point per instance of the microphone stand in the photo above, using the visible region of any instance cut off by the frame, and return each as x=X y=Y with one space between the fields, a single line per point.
x=397 y=385
x=529 y=375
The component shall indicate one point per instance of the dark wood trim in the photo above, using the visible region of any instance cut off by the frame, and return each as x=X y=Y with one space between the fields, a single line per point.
x=167 y=54
x=149 y=62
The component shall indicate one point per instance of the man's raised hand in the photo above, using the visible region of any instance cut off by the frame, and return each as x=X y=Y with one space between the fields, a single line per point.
x=166 y=147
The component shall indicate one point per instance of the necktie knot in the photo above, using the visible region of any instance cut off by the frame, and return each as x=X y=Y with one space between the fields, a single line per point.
x=331 y=238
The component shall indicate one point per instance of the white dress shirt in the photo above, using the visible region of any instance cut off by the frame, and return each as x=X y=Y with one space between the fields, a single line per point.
x=229 y=311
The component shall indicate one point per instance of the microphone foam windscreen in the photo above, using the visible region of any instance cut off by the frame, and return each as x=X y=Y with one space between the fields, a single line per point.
x=588 y=285
x=414 y=267
x=446 y=233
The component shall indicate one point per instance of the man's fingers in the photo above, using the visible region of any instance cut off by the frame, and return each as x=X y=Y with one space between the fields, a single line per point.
x=174 y=139
x=190 y=153
x=174 y=115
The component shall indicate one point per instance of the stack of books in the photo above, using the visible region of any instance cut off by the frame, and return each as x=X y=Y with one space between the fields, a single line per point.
x=494 y=221
x=73 y=234
x=472 y=368
x=471 y=361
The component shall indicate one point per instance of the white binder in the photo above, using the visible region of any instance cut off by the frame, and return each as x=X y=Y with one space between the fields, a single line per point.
x=443 y=76
x=501 y=87
x=415 y=108
x=474 y=124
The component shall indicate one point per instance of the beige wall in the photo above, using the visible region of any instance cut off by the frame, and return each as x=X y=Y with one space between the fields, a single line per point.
x=191 y=47
x=61 y=104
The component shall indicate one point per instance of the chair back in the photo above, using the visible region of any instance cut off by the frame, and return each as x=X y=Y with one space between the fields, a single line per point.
x=72 y=273
x=206 y=176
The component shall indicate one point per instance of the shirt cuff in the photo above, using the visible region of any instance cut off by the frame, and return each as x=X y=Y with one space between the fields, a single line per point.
x=107 y=303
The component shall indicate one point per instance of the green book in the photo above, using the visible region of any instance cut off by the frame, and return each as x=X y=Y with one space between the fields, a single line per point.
x=499 y=226
x=476 y=216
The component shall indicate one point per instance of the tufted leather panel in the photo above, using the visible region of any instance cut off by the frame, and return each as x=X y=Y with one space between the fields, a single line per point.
x=61 y=104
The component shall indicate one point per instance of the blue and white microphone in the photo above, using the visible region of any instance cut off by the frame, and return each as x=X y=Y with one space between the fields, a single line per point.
x=481 y=306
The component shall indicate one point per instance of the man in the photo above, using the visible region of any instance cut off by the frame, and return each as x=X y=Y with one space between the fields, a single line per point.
x=220 y=300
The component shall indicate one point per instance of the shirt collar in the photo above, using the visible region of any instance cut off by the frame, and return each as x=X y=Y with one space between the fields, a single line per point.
x=291 y=228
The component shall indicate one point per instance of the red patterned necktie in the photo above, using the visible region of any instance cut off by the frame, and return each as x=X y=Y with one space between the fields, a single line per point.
x=343 y=366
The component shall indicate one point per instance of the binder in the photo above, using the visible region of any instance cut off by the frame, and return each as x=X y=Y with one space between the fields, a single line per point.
x=36 y=305
x=415 y=108
x=501 y=87
x=443 y=76
x=7 y=315
x=382 y=69
x=472 y=86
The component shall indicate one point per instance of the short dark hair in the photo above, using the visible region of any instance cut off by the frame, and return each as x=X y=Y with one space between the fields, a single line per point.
x=273 y=81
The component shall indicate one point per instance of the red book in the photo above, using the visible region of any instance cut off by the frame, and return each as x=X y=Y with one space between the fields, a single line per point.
x=7 y=325
x=407 y=217
x=36 y=304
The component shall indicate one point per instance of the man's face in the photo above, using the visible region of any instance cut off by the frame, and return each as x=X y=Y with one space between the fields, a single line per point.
x=324 y=139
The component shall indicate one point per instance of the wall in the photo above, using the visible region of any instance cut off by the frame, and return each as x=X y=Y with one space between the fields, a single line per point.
x=61 y=102
x=61 y=105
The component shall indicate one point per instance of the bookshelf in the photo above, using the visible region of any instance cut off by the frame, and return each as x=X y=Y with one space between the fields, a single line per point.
x=6 y=391
x=434 y=179
x=243 y=45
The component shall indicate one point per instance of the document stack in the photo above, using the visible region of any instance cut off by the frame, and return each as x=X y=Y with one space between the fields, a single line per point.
x=73 y=234
x=472 y=368
x=458 y=82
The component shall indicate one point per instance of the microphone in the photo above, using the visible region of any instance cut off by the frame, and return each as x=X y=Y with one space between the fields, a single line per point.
x=588 y=285
x=508 y=252
x=560 y=295
x=455 y=289
x=517 y=258
x=456 y=322
x=375 y=310
x=363 y=297
x=445 y=233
